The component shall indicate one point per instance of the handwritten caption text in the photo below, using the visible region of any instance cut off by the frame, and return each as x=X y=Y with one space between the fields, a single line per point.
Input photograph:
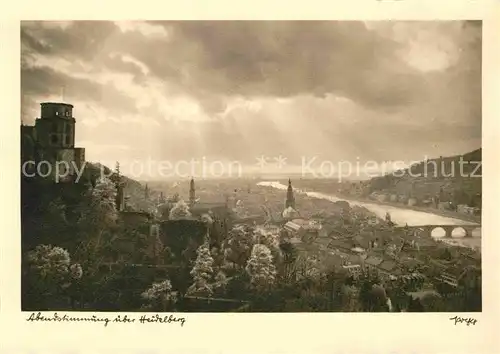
x=141 y=319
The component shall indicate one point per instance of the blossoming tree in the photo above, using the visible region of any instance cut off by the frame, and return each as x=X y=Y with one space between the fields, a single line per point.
x=260 y=268
x=160 y=297
x=50 y=272
x=180 y=211
x=202 y=273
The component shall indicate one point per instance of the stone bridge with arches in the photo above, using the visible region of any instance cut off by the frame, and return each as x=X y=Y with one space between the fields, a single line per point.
x=426 y=230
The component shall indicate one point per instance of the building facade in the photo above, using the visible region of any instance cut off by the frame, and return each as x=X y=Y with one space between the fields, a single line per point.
x=50 y=143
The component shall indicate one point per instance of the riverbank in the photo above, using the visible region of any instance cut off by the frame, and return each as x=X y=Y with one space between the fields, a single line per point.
x=400 y=214
x=476 y=219
x=463 y=218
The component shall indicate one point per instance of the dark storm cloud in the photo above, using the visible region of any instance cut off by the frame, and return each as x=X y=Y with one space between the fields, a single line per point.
x=42 y=80
x=32 y=45
x=81 y=43
x=215 y=64
x=91 y=42
x=290 y=58
x=80 y=39
x=249 y=58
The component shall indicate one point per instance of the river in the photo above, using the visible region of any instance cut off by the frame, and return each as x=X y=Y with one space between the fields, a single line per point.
x=400 y=216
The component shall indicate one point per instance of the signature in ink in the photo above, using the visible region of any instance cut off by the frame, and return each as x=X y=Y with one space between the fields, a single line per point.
x=467 y=320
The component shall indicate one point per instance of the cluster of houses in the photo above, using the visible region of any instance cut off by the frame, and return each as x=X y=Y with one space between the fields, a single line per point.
x=372 y=246
x=417 y=192
x=392 y=257
x=432 y=202
x=356 y=254
x=352 y=239
x=465 y=209
x=395 y=198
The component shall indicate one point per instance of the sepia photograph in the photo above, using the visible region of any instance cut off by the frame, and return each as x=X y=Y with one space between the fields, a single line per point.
x=251 y=166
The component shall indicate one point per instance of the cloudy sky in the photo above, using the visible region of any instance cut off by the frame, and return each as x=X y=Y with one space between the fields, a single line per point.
x=237 y=90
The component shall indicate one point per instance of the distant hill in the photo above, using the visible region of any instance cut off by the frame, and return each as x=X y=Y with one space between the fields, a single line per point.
x=441 y=177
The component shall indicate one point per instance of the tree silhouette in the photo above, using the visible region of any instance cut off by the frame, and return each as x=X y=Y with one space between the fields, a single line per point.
x=239 y=245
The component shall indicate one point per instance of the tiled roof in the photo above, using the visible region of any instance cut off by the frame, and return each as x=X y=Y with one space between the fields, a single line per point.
x=358 y=249
x=338 y=253
x=423 y=293
x=295 y=241
x=340 y=244
x=350 y=266
x=409 y=262
x=300 y=222
x=353 y=259
x=332 y=261
x=414 y=276
x=387 y=265
x=335 y=234
x=361 y=241
x=327 y=229
x=438 y=264
x=323 y=241
x=397 y=271
x=292 y=226
x=300 y=246
x=373 y=261
x=454 y=271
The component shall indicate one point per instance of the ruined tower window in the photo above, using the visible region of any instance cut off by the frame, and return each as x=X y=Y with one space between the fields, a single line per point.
x=54 y=139
x=66 y=139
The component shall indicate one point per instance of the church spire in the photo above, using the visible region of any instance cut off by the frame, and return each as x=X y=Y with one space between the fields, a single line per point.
x=290 y=199
x=192 y=194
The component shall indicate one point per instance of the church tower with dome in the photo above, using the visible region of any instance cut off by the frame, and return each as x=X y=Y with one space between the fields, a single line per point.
x=290 y=199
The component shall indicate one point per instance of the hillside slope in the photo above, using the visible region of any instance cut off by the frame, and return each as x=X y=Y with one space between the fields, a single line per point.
x=442 y=177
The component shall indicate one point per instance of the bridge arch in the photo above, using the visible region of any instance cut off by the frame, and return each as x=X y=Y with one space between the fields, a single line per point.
x=438 y=232
x=458 y=232
x=476 y=232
